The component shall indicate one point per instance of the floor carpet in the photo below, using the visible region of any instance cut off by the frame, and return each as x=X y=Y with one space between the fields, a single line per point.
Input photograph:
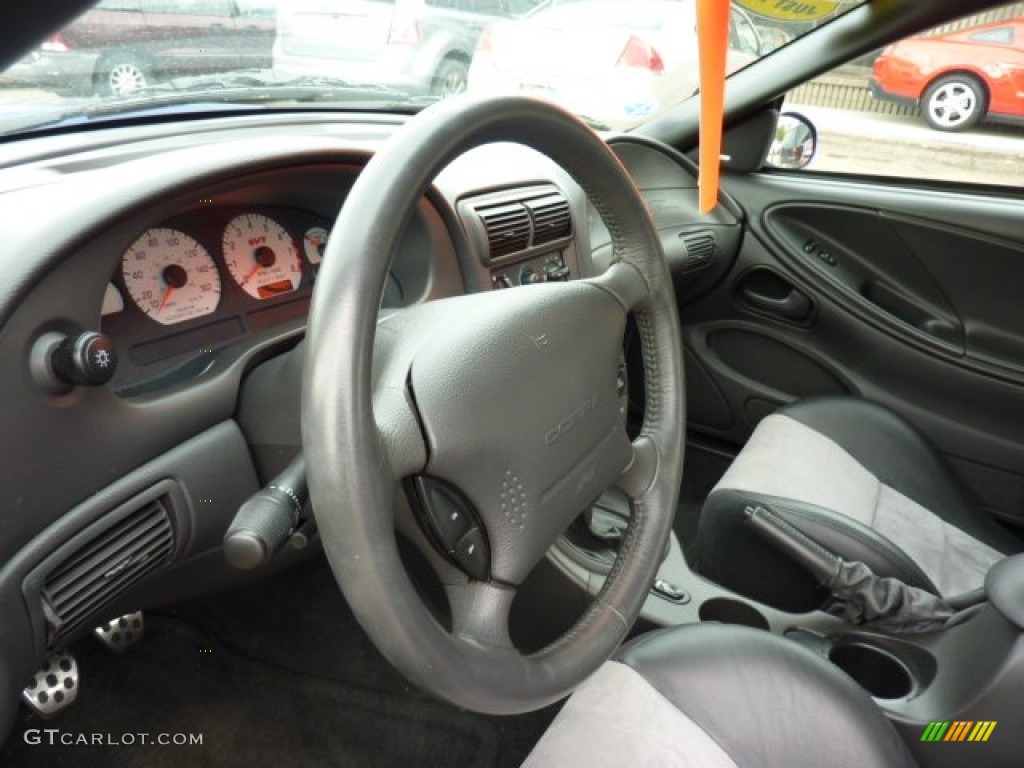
x=273 y=675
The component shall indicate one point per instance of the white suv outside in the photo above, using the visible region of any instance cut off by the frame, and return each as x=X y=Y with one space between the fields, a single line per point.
x=422 y=47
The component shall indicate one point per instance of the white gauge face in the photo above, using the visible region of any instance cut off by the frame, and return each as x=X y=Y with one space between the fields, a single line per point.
x=170 y=276
x=261 y=256
x=113 y=302
x=313 y=243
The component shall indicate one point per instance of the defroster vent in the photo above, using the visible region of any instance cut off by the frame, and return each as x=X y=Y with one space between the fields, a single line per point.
x=104 y=567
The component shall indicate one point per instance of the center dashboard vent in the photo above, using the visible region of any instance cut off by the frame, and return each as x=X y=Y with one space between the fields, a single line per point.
x=507 y=227
x=104 y=566
x=525 y=219
x=551 y=220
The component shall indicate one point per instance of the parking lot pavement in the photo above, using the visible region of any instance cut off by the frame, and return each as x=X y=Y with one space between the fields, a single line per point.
x=887 y=145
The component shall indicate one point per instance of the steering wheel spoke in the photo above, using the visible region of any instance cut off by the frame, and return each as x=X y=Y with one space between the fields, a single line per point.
x=624 y=281
x=399 y=432
x=480 y=613
x=638 y=476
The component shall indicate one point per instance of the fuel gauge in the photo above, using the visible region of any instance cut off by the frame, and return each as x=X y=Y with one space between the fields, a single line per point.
x=313 y=244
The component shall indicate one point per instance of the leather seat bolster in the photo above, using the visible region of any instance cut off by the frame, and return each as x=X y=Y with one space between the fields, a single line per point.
x=765 y=700
x=853 y=540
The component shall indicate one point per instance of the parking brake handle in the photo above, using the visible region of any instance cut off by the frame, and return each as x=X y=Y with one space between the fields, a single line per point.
x=266 y=521
x=858 y=595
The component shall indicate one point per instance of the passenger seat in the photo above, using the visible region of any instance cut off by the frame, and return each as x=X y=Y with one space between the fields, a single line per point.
x=860 y=481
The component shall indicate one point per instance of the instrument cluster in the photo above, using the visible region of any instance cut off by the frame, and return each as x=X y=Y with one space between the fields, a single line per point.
x=207 y=277
x=171 y=277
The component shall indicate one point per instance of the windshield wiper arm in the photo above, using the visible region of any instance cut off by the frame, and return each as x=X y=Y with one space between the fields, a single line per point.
x=254 y=83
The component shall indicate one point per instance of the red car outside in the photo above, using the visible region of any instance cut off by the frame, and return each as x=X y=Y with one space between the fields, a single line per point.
x=960 y=78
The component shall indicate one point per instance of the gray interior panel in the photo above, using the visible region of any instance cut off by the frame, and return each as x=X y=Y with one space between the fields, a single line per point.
x=201 y=482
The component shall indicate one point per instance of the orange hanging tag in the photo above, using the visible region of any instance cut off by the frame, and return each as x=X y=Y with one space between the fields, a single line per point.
x=713 y=37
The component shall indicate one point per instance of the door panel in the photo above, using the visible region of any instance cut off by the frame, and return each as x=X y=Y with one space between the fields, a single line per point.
x=926 y=276
x=860 y=256
x=916 y=298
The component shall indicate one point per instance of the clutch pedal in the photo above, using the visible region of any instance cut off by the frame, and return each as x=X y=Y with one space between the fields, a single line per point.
x=122 y=632
x=54 y=687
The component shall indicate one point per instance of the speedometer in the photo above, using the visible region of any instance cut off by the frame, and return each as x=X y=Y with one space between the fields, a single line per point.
x=170 y=276
x=261 y=256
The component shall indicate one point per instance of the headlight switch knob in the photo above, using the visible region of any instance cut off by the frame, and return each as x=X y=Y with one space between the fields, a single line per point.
x=60 y=361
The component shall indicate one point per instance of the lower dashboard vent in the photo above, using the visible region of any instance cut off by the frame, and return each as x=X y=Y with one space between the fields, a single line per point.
x=104 y=567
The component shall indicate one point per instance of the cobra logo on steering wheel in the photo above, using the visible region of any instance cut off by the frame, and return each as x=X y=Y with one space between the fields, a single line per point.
x=567 y=424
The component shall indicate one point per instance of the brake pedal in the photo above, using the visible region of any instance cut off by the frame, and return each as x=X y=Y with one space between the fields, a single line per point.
x=122 y=632
x=55 y=686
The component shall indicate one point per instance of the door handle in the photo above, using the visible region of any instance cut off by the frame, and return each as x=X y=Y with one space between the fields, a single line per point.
x=792 y=306
x=905 y=309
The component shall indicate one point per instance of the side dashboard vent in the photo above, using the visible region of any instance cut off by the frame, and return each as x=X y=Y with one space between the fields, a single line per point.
x=551 y=218
x=105 y=566
x=507 y=226
x=699 y=248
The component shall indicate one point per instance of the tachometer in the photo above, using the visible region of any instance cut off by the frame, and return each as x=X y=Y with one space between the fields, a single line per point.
x=170 y=276
x=261 y=256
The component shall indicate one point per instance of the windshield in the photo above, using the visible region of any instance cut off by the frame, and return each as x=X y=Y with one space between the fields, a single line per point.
x=617 y=63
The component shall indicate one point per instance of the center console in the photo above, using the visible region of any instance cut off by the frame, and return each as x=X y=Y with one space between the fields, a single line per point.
x=936 y=687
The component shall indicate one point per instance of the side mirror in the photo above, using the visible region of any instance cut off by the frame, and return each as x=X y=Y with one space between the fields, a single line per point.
x=795 y=142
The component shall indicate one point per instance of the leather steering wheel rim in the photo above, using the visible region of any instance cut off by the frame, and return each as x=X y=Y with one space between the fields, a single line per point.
x=368 y=422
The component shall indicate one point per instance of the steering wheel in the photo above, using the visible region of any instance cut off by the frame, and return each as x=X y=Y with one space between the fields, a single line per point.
x=508 y=398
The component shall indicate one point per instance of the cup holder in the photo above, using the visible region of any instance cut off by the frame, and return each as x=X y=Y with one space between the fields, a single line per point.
x=728 y=611
x=879 y=672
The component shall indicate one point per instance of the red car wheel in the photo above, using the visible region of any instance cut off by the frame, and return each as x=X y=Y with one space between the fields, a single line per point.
x=954 y=103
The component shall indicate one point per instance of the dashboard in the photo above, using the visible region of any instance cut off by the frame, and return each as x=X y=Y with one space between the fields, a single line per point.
x=195 y=254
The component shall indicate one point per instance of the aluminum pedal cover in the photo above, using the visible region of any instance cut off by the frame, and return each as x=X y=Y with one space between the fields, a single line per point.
x=117 y=634
x=55 y=686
